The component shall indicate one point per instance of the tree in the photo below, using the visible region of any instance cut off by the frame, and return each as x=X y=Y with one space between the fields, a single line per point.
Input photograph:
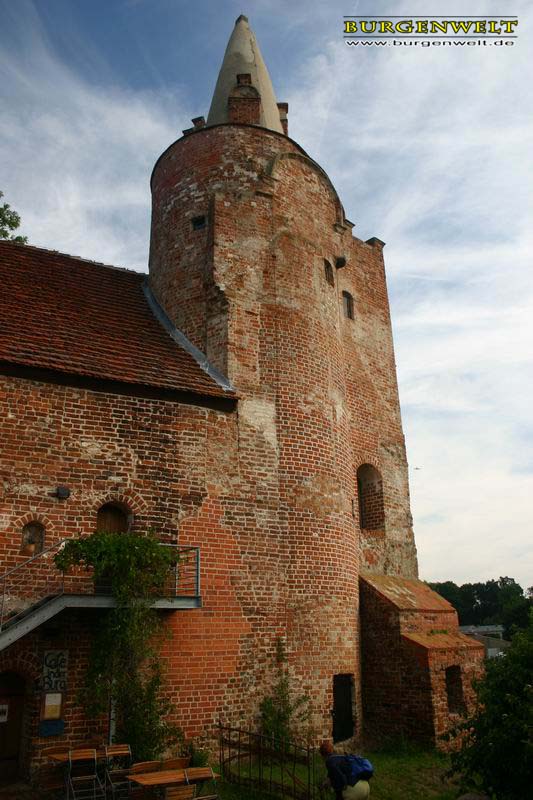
x=9 y=222
x=493 y=602
x=497 y=742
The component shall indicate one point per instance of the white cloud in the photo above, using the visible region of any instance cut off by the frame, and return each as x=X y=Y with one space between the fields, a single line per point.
x=76 y=157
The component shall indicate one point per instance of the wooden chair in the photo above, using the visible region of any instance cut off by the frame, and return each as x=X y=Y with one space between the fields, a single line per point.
x=180 y=793
x=83 y=779
x=50 y=776
x=200 y=775
x=118 y=751
x=176 y=763
x=117 y=768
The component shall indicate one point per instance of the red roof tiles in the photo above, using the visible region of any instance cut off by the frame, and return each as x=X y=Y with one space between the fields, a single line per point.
x=407 y=593
x=444 y=640
x=78 y=317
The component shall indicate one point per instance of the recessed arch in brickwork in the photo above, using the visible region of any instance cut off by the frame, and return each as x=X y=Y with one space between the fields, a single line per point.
x=371 y=500
x=113 y=518
x=275 y=163
x=33 y=538
x=128 y=498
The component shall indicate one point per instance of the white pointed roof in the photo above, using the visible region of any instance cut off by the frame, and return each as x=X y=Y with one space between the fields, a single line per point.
x=243 y=56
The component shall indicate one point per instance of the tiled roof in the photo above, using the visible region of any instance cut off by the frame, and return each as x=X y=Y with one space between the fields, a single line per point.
x=449 y=640
x=78 y=317
x=407 y=593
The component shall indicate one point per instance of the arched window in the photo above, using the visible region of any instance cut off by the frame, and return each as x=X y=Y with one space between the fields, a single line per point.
x=113 y=518
x=370 y=490
x=32 y=539
x=347 y=304
x=328 y=272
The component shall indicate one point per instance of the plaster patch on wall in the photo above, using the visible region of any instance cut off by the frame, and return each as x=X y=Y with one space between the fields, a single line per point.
x=260 y=414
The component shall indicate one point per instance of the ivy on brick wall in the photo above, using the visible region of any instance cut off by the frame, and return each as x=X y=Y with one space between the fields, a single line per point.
x=124 y=671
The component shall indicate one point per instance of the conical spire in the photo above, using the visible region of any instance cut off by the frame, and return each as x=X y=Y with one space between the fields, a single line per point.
x=243 y=58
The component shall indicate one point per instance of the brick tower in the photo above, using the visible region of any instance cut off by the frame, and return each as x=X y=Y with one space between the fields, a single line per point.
x=253 y=259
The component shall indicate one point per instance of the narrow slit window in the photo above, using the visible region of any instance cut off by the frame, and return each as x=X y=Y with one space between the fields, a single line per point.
x=347 y=304
x=454 y=690
x=198 y=223
x=328 y=272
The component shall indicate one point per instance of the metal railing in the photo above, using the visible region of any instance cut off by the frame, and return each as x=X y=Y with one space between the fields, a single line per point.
x=37 y=580
x=268 y=767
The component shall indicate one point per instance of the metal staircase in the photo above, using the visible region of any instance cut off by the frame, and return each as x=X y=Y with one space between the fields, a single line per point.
x=35 y=591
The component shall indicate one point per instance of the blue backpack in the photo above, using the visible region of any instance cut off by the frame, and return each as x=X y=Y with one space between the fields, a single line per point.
x=356 y=768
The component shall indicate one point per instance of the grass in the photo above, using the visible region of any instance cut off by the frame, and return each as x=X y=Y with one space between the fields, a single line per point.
x=402 y=771
x=413 y=773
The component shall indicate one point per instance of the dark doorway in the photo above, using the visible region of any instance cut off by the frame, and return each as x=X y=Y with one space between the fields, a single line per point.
x=342 y=712
x=12 y=690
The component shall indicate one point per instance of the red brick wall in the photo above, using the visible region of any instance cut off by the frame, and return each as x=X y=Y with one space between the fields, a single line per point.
x=162 y=460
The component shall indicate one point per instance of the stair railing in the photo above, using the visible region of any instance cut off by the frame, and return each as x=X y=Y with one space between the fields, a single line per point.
x=37 y=579
x=30 y=582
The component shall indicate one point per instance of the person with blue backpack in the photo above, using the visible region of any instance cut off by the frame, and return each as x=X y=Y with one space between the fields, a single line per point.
x=348 y=775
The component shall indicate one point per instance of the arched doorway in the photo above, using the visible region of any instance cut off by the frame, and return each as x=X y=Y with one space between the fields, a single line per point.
x=12 y=691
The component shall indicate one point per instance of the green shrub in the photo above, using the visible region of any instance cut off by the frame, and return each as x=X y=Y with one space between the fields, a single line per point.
x=497 y=744
x=283 y=715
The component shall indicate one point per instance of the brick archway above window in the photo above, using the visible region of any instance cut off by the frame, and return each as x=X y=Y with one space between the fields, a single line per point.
x=128 y=499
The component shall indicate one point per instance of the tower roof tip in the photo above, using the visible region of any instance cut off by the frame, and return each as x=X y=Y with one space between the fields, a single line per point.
x=243 y=57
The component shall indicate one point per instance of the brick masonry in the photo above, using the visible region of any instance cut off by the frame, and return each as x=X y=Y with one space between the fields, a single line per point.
x=269 y=491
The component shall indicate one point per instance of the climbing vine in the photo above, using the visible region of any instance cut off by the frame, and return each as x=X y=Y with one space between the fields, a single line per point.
x=124 y=669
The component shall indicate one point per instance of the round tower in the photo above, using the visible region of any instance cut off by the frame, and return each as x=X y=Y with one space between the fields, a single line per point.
x=253 y=260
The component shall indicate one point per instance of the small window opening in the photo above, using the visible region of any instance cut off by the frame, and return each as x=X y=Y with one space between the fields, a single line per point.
x=328 y=272
x=347 y=304
x=112 y=518
x=342 y=712
x=198 y=223
x=454 y=690
x=370 y=493
x=32 y=539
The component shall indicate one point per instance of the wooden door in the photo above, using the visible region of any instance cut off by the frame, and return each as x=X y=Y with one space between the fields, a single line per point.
x=12 y=690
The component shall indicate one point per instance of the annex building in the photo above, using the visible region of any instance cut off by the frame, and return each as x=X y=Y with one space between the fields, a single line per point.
x=240 y=400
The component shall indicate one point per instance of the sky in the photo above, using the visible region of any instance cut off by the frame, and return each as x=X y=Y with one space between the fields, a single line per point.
x=430 y=149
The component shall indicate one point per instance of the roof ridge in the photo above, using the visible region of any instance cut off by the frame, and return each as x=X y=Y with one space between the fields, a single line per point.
x=69 y=255
x=182 y=341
